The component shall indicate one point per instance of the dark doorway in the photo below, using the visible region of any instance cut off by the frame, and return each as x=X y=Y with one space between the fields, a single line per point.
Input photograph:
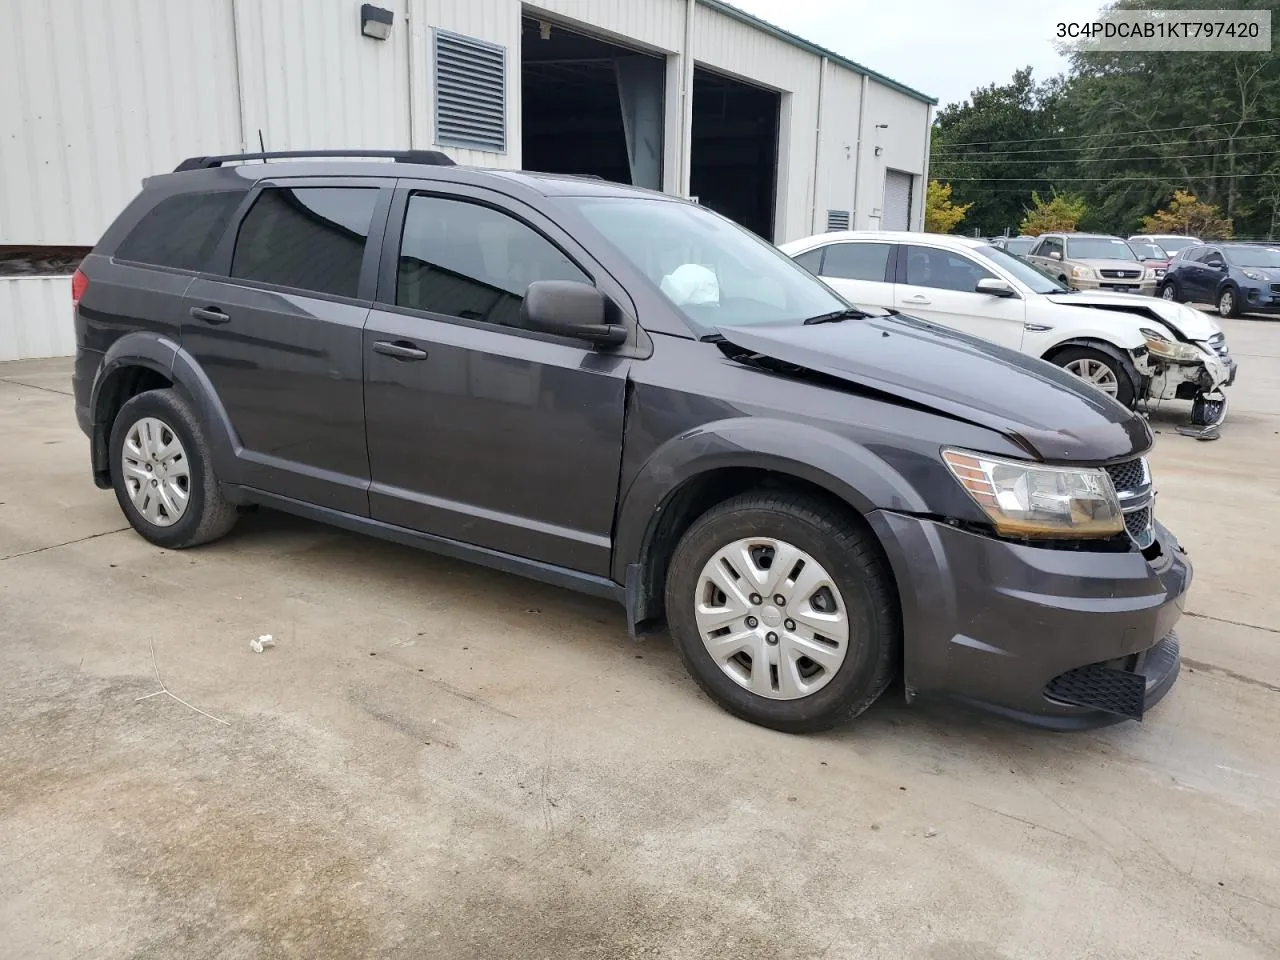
x=734 y=162
x=589 y=106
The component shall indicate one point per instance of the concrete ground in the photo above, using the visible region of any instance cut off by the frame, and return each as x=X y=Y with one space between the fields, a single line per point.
x=440 y=761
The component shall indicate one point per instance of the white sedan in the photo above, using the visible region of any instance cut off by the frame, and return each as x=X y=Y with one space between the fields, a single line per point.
x=1129 y=346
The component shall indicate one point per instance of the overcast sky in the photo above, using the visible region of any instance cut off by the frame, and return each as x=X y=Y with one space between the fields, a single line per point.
x=944 y=48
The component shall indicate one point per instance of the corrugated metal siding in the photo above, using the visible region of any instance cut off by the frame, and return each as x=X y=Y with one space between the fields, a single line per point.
x=35 y=318
x=95 y=96
x=311 y=80
x=654 y=23
x=838 y=149
x=732 y=47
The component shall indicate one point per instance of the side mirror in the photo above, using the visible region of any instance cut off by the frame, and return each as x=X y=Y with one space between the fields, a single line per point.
x=993 y=287
x=569 y=308
x=1054 y=255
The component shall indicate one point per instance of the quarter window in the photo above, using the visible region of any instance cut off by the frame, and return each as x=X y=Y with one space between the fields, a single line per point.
x=466 y=260
x=943 y=270
x=856 y=261
x=309 y=238
x=181 y=231
x=811 y=260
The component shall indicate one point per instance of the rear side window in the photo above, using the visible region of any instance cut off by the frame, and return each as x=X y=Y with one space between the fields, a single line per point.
x=182 y=230
x=471 y=261
x=856 y=261
x=309 y=238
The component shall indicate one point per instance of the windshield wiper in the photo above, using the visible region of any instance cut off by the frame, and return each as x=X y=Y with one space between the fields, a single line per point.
x=835 y=316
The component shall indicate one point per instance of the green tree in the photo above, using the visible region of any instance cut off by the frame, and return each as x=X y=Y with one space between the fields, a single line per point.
x=1187 y=215
x=1059 y=214
x=940 y=214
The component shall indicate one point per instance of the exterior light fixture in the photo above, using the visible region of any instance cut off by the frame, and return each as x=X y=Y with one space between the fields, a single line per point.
x=375 y=22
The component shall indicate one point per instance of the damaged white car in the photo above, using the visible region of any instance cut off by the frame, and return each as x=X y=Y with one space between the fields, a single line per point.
x=1132 y=347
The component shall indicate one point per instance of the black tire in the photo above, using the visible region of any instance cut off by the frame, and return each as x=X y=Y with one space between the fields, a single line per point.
x=1228 y=302
x=855 y=563
x=1205 y=412
x=208 y=515
x=1126 y=376
x=1169 y=291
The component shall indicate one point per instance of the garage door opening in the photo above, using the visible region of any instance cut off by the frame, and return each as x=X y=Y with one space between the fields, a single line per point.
x=590 y=106
x=734 y=161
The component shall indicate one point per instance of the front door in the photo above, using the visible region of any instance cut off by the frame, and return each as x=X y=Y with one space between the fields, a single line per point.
x=280 y=337
x=941 y=285
x=480 y=431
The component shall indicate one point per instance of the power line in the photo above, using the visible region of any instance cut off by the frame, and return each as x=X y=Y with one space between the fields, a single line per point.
x=1118 y=133
x=1182 y=156
x=1149 y=179
x=1123 y=146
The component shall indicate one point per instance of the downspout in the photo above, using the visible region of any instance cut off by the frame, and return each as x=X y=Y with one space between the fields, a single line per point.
x=817 y=147
x=857 y=171
x=924 y=179
x=686 y=103
x=411 y=23
x=236 y=60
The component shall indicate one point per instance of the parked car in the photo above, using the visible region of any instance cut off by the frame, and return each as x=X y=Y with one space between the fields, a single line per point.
x=1018 y=246
x=1151 y=254
x=624 y=393
x=1131 y=347
x=1088 y=261
x=1234 y=277
x=1171 y=243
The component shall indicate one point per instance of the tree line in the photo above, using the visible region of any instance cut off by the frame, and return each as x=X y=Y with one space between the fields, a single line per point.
x=1115 y=138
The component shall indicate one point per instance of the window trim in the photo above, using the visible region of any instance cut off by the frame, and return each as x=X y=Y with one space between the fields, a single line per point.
x=888 y=263
x=220 y=262
x=389 y=265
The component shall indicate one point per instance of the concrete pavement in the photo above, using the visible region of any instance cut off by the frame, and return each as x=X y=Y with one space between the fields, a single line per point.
x=441 y=761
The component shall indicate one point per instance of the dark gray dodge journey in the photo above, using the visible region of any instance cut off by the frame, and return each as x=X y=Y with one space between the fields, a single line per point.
x=624 y=393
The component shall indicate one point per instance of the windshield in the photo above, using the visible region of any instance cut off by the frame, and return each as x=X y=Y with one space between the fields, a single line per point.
x=1174 y=244
x=1147 y=250
x=1022 y=271
x=1098 y=248
x=1253 y=256
x=712 y=270
x=1020 y=246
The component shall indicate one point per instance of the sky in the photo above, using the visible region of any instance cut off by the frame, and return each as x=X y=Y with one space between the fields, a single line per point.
x=944 y=48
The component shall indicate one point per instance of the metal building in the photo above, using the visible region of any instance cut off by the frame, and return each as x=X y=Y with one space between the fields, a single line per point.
x=693 y=97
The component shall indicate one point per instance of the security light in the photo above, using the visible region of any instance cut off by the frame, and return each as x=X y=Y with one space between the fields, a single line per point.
x=375 y=22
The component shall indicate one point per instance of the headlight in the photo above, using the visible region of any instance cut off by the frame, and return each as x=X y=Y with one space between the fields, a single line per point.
x=1167 y=349
x=1032 y=500
x=1082 y=273
x=1151 y=273
x=1253 y=276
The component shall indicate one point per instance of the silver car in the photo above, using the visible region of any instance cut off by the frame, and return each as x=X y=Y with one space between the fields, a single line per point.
x=1090 y=261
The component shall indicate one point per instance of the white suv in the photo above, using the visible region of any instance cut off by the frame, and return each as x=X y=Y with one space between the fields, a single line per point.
x=1131 y=347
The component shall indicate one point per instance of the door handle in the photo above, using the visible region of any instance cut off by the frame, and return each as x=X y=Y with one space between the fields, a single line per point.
x=209 y=315
x=917 y=299
x=400 y=349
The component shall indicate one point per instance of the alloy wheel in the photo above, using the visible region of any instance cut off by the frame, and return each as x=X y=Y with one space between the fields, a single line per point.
x=156 y=471
x=1096 y=373
x=1226 y=303
x=1167 y=293
x=771 y=618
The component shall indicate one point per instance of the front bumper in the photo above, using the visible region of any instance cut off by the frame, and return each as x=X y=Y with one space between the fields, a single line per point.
x=1145 y=287
x=1259 y=298
x=997 y=623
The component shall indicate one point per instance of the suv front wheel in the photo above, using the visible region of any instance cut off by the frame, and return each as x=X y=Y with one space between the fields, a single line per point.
x=783 y=611
x=162 y=473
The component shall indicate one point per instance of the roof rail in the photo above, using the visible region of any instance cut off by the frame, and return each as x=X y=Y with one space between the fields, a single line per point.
x=429 y=157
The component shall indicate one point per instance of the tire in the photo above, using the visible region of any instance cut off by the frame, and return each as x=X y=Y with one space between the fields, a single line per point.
x=864 y=595
x=150 y=423
x=1206 y=412
x=1228 y=302
x=1081 y=360
x=1169 y=291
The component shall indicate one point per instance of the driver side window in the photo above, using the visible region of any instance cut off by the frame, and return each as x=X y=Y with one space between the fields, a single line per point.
x=943 y=270
x=1048 y=246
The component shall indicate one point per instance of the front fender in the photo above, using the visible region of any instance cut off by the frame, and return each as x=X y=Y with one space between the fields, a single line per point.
x=843 y=468
x=164 y=356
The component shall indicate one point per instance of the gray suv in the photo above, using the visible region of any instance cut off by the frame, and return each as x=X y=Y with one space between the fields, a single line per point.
x=626 y=394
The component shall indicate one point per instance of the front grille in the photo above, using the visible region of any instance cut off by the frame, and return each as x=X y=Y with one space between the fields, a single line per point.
x=1275 y=288
x=1138 y=523
x=1132 y=480
x=1099 y=687
x=1129 y=475
x=1121 y=274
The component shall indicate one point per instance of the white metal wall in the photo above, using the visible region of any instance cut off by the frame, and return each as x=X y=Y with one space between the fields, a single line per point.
x=903 y=144
x=35 y=318
x=836 y=169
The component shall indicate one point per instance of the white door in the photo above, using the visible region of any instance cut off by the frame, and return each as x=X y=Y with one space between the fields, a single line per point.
x=858 y=270
x=897 y=201
x=942 y=286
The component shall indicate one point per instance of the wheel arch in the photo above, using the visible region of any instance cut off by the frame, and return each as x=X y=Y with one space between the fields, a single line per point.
x=1116 y=353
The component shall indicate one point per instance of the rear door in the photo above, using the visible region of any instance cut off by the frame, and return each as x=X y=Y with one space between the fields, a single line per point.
x=278 y=332
x=859 y=271
x=940 y=285
x=480 y=431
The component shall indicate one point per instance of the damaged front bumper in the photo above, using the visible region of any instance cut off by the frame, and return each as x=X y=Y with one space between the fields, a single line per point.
x=1181 y=380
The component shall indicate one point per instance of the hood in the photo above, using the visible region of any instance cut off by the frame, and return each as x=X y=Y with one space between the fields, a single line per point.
x=1191 y=323
x=1109 y=264
x=1045 y=410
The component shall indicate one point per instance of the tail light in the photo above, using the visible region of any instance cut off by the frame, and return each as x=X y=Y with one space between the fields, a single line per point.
x=79 y=284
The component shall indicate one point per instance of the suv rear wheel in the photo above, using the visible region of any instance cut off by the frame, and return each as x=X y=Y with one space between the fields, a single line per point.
x=1099 y=369
x=162 y=474
x=783 y=612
